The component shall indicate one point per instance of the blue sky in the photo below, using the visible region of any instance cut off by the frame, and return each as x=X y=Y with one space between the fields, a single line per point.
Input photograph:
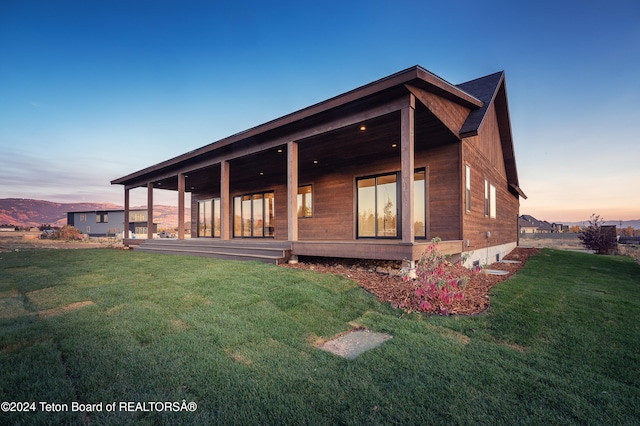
x=94 y=90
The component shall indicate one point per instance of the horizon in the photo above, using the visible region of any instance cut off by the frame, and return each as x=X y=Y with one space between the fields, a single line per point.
x=93 y=92
x=142 y=206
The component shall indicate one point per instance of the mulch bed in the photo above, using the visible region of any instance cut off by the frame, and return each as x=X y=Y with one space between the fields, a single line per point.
x=374 y=277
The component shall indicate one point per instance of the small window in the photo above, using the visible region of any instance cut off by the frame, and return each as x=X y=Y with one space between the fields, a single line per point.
x=486 y=198
x=492 y=201
x=102 y=217
x=305 y=203
x=468 y=188
x=83 y=217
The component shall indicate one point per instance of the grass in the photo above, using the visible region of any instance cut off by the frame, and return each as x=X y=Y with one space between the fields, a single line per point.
x=560 y=344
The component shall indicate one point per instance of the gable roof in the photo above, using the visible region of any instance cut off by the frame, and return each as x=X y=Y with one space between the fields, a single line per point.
x=475 y=95
x=492 y=89
x=415 y=75
x=485 y=89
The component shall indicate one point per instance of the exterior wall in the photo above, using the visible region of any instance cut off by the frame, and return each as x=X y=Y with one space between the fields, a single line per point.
x=443 y=191
x=334 y=196
x=93 y=228
x=487 y=255
x=482 y=153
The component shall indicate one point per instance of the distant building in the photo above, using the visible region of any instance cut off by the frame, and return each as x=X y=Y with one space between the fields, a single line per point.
x=7 y=228
x=530 y=225
x=103 y=223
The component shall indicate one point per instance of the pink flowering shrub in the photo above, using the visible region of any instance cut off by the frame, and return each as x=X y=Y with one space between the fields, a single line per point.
x=437 y=280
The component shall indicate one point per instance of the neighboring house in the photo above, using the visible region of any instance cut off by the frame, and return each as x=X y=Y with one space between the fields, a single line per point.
x=110 y=222
x=374 y=173
x=526 y=227
x=535 y=226
x=7 y=228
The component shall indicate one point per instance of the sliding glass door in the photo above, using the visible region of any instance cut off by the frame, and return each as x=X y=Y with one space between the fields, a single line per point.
x=209 y=218
x=254 y=215
x=379 y=205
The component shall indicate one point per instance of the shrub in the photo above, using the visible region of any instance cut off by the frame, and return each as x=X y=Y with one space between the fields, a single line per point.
x=67 y=233
x=598 y=237
x=437 y=280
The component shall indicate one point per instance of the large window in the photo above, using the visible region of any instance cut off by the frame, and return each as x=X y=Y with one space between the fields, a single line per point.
x=305 y=205
x=254 y=215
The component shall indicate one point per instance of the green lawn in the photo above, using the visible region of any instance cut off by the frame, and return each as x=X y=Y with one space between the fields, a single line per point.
x=560 y=344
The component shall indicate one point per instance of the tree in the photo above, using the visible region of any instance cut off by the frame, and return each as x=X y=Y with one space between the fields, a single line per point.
x=598 y=237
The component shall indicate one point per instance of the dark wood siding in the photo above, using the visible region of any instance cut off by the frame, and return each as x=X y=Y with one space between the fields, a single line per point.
x=484 y=154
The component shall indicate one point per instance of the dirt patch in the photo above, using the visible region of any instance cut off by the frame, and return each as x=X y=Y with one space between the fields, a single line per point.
x=373 y=277
x=353 y=343
x=64 y=309
x=16 y=241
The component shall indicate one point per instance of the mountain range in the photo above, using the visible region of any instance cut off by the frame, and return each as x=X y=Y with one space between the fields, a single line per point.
x=27 y=212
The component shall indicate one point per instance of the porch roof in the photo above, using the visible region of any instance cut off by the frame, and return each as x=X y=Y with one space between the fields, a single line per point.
x=377 y=92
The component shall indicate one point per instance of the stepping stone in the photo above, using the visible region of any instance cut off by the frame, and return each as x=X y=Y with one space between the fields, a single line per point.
x=496 y=272
x=354 y=343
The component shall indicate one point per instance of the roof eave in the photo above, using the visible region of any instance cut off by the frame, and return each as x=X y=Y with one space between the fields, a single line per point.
x=415 y=74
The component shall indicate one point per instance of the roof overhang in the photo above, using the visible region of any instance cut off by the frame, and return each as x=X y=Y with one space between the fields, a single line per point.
x=414 y=76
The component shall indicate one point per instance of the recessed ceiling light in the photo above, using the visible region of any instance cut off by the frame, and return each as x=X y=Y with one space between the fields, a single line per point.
x=363 y=128
x=279 y=150
x=315 y=161
x=261 y=174
x=394 y=145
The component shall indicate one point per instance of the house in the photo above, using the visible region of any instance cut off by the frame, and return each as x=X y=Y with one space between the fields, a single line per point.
x=102 y=223
x=526 y=227
x=534 y=226
x=373 y=173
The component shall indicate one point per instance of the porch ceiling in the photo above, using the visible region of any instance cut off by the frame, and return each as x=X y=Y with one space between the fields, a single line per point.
x=331 y=150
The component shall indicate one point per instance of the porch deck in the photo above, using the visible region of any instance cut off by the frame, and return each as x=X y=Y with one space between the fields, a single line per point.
x=278 y=251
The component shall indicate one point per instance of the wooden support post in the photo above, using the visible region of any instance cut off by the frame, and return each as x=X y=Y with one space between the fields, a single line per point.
x=292 y=190
x=150 y=210
x=126 y=233
x=181 y=182
x=407 y=159
x=225 y=202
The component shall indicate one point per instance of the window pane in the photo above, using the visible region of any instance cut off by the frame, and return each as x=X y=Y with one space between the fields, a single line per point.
x=269 y=214
x=468 y=188
x=386 y=206
x=493 y=201
x=366 y=207
x=216 y=217
x=419 y=213
x=304 y=201
x=486 y=198
x=257 y=214
x=237 y=216
x=246 y=215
